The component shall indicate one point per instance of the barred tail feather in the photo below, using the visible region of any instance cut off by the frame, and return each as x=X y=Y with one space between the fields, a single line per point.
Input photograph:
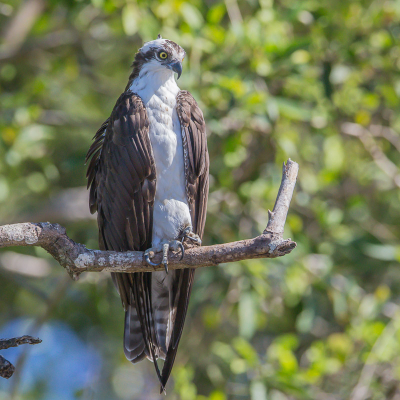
x=134 y=346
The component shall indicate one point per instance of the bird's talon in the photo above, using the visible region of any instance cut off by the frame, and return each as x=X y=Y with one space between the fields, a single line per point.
x=189 y=234
x=194 y=239
x=182 y=250
x=164 y=247
x=147 y=258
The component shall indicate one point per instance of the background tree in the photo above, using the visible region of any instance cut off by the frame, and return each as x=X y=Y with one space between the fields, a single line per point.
x=317 y=81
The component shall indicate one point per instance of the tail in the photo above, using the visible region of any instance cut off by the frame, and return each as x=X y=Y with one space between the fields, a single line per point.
x=155 y=318
x=134 y=346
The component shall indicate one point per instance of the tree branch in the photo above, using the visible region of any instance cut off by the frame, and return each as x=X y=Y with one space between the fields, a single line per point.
x=20 y=26
x=6 y=368
x=76 y=258
x=15 y=342
x=380 y=158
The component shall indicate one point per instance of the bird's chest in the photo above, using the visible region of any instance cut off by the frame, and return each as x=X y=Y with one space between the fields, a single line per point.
x=165 y=135
x=171 y=212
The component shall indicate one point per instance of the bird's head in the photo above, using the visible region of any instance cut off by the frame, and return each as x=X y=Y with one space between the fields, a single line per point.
x=160 y=55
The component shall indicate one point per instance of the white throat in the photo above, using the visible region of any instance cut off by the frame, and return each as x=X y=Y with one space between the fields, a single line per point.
x=152 y=82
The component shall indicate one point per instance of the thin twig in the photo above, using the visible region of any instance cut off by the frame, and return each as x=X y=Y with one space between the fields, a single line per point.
x=234 y=12
x=51 y=303
x=388 y=133
x=14 y=342
x=6 y=368
x=360 y=391
x=277 y=217
x=20 y=26
x=380 y=158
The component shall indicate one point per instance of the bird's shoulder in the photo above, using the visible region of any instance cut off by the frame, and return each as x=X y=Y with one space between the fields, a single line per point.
x=187 y=108
x=130 y=110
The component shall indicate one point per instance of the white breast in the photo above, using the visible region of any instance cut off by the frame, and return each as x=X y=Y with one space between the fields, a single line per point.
x=171 y=211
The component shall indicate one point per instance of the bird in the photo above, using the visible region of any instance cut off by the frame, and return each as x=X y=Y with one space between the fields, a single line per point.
x=148 y=181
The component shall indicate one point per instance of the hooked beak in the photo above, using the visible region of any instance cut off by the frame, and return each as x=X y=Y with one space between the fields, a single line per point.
x=176 y=66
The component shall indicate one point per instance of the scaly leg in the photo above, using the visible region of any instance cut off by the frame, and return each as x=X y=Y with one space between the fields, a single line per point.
x=173 y=245
x=164 y=247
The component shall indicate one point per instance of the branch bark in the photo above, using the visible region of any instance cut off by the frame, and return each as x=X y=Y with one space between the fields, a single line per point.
x=6 y=368
x=76 y=258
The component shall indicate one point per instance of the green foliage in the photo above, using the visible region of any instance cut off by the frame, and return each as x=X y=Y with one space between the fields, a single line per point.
x=275 y=79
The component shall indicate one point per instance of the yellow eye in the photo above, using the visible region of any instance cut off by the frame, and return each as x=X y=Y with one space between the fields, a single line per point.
x=163 y=55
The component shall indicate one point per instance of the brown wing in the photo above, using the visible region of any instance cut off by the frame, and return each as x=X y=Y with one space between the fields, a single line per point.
x=122 y=180
x=196 y=160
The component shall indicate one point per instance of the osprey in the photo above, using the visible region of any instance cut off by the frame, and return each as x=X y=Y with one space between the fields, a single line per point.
x=148 y=180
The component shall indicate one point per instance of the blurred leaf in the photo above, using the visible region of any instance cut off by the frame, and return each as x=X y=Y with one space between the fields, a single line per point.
x=258 y=391
x=247 y=315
